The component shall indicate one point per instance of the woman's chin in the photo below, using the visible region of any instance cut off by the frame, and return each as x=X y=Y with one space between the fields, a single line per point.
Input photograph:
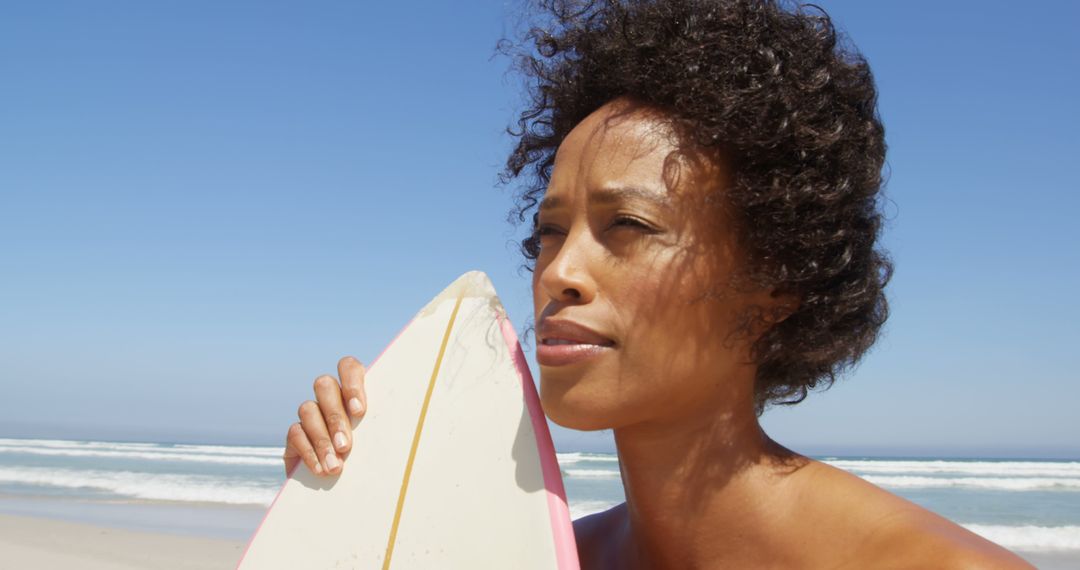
x=574 y=409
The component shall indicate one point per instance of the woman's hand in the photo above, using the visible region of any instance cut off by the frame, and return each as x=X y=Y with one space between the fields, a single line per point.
x=324 y=433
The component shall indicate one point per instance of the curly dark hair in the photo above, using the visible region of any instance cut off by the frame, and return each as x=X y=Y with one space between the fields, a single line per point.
x=795 y=111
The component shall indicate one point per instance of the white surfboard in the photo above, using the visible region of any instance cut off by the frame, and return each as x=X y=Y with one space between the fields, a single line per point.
x=452 y=467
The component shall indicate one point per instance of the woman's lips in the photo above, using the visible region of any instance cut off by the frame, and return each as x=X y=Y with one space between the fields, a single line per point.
x=560 y=352
x=563 y=342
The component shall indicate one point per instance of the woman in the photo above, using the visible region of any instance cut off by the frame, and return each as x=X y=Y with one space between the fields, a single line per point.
x=706 y=177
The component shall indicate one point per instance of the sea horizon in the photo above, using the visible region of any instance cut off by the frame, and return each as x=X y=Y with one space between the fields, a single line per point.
x=129 y=434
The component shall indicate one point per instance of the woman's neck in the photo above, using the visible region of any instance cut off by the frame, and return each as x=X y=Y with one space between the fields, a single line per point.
x=703 y=488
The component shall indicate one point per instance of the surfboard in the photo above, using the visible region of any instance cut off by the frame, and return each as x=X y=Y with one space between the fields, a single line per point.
x=452 y=467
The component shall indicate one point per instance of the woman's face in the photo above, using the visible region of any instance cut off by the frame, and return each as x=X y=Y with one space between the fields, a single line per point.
x=631 y=250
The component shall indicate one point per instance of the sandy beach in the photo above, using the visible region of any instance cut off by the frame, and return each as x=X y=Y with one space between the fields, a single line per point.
x=41 y=543
x=48 y=544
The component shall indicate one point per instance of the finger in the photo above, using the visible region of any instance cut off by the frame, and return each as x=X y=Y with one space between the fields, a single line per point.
x=297 y=448
x=311 y=419
x=352 y=373
x=328 y=395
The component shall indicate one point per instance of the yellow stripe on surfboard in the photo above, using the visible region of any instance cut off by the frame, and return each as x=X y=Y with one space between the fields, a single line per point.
x=416 y=436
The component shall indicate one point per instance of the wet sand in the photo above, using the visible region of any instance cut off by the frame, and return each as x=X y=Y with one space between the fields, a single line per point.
x=42 y=543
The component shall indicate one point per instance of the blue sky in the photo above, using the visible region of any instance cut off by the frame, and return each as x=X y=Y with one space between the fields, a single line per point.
x=203 y=205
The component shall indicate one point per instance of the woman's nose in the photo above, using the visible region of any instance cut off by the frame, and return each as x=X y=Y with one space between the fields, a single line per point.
x=566 y=277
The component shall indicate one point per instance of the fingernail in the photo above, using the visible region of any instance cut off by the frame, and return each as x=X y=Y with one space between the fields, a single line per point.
x=332 y=462
x=354 y=407
x=339 y=440
x=318 y=468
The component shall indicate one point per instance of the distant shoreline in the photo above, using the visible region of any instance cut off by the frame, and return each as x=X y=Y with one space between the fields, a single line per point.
x=817 y=451
x=175 y=518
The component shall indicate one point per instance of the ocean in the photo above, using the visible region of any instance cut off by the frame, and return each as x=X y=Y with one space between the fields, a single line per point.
x=1029 y=506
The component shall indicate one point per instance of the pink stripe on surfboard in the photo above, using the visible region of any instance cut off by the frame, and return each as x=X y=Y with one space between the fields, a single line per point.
x=561 y=528
x=297 y=466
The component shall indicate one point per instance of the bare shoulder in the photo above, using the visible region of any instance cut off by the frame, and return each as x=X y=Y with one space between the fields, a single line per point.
x=594 y=533
x=891 y=532
x=925 y=539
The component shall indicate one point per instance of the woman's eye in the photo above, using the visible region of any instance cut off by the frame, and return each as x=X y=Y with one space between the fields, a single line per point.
x=630 y=222
x=544 y=230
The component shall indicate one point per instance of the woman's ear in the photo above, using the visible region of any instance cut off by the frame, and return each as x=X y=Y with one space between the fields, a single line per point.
x=784 y=304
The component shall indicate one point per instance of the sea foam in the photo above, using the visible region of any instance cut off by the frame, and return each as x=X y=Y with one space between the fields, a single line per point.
x=578 y=457
x=141 y=485
x=591 y=473
x=998 y=483
x=148 y=453
x=1029 y=537
x=944 y=467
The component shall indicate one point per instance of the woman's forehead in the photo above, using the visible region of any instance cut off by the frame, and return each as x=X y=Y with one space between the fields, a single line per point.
x=622 y=152
x=618 y=135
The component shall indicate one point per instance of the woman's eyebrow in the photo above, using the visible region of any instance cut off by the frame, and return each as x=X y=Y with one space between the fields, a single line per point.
x=623 y=193
x=614 y=194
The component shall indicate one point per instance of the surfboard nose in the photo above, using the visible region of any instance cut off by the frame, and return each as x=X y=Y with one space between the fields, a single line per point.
x=471 y=284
